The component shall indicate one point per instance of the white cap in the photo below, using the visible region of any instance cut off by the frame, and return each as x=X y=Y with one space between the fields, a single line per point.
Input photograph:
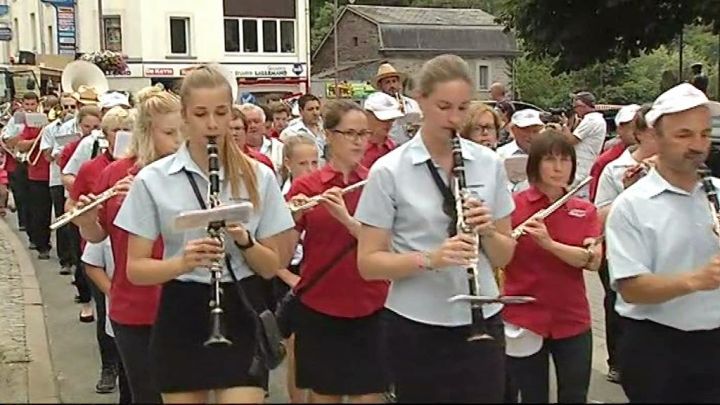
x=626 y=114
x=526 y=118
x=680 y=98
x=114 y=99
x=383 y=106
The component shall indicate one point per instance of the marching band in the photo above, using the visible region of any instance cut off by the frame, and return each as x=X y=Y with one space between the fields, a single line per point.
x=391 y=251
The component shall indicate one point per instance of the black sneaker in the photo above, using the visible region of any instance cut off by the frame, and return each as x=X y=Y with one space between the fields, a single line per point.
x=44 y=255
x=65 y=270
x=613 y=375
x=32 y=246
x=107 y=383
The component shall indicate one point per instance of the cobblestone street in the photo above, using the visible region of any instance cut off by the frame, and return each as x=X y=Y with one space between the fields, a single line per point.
x=14 y=354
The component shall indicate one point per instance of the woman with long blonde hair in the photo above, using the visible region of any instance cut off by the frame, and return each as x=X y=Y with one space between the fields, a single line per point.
x=133 y=308
x=185 y=370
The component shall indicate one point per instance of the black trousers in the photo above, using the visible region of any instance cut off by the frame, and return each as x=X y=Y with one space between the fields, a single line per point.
x=573 y=363
x=40 y=206
x=661 y=364
x=81 y=282
x=133 y=342
x=19 y=186
x=613 y=329
x=108 y=351
x=62 y=235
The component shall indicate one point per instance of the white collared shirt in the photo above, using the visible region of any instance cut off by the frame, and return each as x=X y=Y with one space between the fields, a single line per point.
x=591 y=132
x=297 y=127
x=512 y=149
x=656 y=228
x=273 y=149
x=161 y=191
x=83 y=153
x=100 y=255
x=610 y=184
x=402 y=197
x=398 y=132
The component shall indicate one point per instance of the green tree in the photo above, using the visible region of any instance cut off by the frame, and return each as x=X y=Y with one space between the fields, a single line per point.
x=579 y=33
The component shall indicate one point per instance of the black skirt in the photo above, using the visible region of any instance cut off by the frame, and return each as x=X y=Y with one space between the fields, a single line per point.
x=432 y=364
x=339 y=356
x=181 y=362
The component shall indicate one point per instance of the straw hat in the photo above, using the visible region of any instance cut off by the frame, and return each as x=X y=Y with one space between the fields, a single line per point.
x=87 y=95
x=386 y=70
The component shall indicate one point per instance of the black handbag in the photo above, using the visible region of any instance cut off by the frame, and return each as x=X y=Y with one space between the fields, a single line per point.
x=270 y=349
x=287 y=308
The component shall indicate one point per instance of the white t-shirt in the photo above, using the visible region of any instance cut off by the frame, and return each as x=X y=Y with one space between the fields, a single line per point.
x=82 y=154
x=100 y=255
x=591 y=133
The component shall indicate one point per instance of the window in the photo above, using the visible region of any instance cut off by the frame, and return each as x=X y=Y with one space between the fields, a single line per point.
x=232 y=35
x=179 y=28
x=287 y=36
x=355 y=41
x=483 y=77
x=33 y=29
x=51 y=39
x=270 y=40
x=250 y=36
x=16 y=35
x=112 y=33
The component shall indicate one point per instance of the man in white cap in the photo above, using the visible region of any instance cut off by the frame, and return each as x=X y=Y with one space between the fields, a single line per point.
x=382 y=111
x=588 y=137
x=665 y=261
x=524 y=126
x=390 y=81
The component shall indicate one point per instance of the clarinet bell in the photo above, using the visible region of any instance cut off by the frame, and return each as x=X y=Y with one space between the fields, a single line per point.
x=217 y=336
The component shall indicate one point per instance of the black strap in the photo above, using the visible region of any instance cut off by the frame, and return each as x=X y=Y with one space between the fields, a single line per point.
x=322 y=272
x=195 y=188
x=444 y=189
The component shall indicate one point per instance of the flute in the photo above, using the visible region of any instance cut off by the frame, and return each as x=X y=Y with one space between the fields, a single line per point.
x=542 y=214
x=67 y=217
x=313 y=201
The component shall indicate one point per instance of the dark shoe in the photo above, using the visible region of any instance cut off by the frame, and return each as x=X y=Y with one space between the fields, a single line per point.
x=77 y=299
x=65 y=270
x=44 y=255
x=32 y=246
x=107 y=382
x=21 y=228
x=613 y=375
x=87 y=318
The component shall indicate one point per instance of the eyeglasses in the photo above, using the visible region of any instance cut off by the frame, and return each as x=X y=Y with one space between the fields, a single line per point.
x=488 y=129
x=69 y=107
x=352 y=134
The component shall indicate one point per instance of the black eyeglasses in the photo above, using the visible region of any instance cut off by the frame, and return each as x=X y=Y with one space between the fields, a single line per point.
x=69 y=107
x=352 y=134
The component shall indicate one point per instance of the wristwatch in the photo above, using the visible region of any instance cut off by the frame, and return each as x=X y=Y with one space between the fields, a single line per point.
x=250 y=242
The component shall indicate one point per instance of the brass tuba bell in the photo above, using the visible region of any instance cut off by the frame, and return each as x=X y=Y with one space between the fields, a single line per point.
x=84 y=80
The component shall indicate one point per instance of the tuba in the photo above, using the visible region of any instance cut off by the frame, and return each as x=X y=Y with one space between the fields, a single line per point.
x=83 y=80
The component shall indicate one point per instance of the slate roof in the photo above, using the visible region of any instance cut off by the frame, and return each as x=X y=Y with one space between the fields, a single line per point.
x=424 y=16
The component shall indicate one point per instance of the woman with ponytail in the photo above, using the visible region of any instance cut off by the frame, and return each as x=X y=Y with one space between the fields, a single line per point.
x=185 y=370
x=133 y=308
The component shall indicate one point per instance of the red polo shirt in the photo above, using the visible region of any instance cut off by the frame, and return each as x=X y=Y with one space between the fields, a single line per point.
x=603 y=160
x=259 y=157
x=341 y=292
x=88 y=176
x=561 y=309
x=41 y=170
x=130 y=304
x=374 y=151
x=67 y=153
x=10 y=162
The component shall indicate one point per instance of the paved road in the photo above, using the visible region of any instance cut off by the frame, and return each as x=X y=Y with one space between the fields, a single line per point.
x=75 y=356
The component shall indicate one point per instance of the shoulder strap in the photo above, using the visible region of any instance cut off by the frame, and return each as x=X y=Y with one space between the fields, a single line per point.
x=320 y=274
x=444 y=189
x=196 y=189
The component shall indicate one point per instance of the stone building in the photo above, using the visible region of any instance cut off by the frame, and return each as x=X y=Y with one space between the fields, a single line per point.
x=408 y=36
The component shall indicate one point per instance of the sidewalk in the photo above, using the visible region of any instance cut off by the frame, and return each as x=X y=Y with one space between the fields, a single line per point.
x=25 y=366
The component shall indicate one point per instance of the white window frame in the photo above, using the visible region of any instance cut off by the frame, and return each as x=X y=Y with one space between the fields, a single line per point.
x=188 y=34
x=260 y=36
x=489 y=75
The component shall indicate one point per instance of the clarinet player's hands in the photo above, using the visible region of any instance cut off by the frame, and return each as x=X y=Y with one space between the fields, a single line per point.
x=238 y=233
x=478 y=216
x=201 y=253
x=460 y=250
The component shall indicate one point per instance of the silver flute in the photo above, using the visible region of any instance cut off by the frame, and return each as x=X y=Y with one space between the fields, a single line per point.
x=313 y=201
x=544 y=213
x=67 y=217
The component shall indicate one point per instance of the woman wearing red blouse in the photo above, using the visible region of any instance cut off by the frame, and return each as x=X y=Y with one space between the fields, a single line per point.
x=337 y=340
x=133 y=308
x=548 y=264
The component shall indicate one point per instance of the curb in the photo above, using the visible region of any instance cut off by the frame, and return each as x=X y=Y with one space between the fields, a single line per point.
x=42 y=386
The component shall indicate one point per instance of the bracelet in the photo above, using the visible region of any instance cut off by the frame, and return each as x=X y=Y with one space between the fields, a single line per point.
x=422 y=260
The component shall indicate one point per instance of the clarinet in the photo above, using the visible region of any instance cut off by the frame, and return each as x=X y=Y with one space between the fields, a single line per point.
x=214 y=230
x=478 y=330
x=712 y=196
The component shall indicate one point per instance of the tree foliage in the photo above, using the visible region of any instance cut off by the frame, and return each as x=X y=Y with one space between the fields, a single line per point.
x=579 y=33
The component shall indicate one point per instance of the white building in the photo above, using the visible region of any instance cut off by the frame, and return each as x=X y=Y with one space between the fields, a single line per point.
x=266 y=43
